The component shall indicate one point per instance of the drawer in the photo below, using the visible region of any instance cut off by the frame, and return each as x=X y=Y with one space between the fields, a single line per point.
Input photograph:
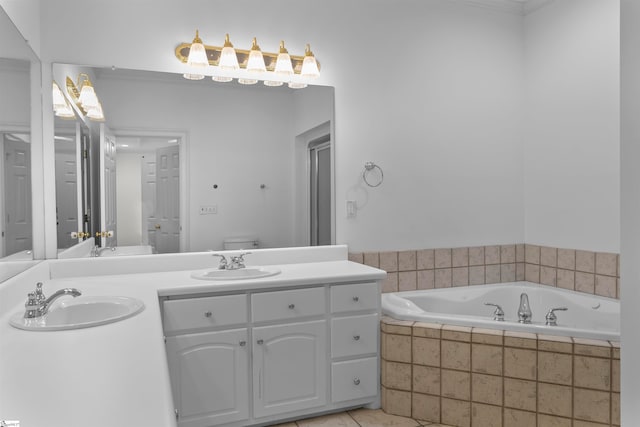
x=354 y=379
x=354 y=335
x=197 y=313
x=361 y=296
x=291 y=304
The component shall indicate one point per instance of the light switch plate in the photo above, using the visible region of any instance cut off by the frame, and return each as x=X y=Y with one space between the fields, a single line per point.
x=208 y=210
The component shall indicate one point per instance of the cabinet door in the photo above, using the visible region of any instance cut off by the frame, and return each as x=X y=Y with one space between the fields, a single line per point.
x=209 y=377
x=289 y=367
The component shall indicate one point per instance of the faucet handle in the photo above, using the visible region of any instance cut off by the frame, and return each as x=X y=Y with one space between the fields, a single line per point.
x=39 y=295
x=498 y=314
x=223 y=261
x=551 y=318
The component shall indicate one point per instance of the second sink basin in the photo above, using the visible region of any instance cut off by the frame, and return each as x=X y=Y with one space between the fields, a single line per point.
x=238 y=274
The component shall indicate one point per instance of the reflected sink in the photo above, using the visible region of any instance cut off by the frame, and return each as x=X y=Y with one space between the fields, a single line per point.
x=238 y=274
x=81 y=312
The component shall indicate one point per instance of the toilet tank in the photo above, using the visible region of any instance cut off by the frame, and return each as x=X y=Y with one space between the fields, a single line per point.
x=240 y=243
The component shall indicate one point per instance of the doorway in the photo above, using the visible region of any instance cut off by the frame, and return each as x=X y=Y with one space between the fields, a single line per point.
x=16 y=198
x=320 y=190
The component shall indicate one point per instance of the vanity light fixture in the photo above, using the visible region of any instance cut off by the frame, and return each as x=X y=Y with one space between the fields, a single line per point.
x=85 y=99
x=96 y=114
x=61 y=106
x=248 y=66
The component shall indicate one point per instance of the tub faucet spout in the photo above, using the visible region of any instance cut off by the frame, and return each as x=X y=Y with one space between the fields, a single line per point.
x=524 y=311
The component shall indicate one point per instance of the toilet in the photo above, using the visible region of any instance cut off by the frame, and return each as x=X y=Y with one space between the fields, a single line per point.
x=240 y=243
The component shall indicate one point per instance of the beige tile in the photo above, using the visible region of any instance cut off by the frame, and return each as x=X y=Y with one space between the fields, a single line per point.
x=605 y=286
x=486 y=359
x=425 y=259
x=586 y=261
x=520 y=394
x=390 y=283
x=532 y=273
x=427 y=330
x=607 y=264
x=548 y=276
x=520 y=363
x=425 y=407
x=566 y=279
x=426 y=351
x=492 y=255
x=555 y=343
x=532 y=254
x=592 y=372
x=443 y=278
x=407 y=281
x=520 y=271
x=455 y=412
x=567 y=259
x=426 y=379
x=520 y=253
x=476 y=275
x=476 y=255
x=394 y=326
x=555 y=368
x=585 y=282
x=554 y=399
x=456 y=333
x=578 y=423
x=395 y=403
x=552 y=421
x=455 y=355
x=548 y=256
x=379 y=418
x=456 y=384
x=443 y=258
x=396 y=348
x=460 y=257
x=615 y=347
x=426 y=279
x=356 y=257
x=486 y=389
x=407 y=261
x=460 y=276
x=396 y=375
x=486 y=415
x=487 y=336
x=615 y=409
x=341 y=419
x=389 y=261
x=372 y=259
x=492 y=273
x=508 y=254
x=520 y=339
x=516 y=418
x=615 y=375
x=596 y=348
x=591 y=405
x=507 y=273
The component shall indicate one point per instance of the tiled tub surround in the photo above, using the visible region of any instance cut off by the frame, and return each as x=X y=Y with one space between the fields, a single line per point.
x=484 y=378
x=582 y=271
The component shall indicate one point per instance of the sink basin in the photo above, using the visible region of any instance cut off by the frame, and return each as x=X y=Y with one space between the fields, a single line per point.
x=238 y=274
x=81 y=312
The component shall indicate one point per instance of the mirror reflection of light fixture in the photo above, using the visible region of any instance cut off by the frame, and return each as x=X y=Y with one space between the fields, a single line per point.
x=197 y=59
x=61 y=106
x=86 y=99
x=255 y=64
x=284 y=67
x=96 y=113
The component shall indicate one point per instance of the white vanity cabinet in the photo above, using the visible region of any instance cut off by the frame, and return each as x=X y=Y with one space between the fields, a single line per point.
x=261 y=355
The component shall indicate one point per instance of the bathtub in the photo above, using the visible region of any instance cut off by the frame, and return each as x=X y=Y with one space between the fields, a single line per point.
x=588 y=316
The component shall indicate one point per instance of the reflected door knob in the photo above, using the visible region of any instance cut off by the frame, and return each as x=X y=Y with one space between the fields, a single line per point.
x=208 y=314
x=157 y=227
x=292 y=306
x=356 y=381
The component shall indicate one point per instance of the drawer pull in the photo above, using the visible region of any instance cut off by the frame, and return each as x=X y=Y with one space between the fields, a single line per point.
x=356 y=337
x=242 y=343
x=208 y=314
x=292 y=306
x=356 y=381
x=356 y=299
x=260 y=342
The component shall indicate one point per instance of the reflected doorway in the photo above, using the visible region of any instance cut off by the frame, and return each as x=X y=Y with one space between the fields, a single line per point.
x=320 y=190
x=16 y=223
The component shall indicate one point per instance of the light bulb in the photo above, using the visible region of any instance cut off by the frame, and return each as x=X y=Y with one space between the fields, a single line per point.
x=228 y=58
x=309 y=65
x=255 y=63
x=87 y=98
x=197 y=59
x=283 y=62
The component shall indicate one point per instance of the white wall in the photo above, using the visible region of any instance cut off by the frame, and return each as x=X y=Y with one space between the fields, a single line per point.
x=128 y=195
x=572 y=133
x=25 y=14
x=15 y=102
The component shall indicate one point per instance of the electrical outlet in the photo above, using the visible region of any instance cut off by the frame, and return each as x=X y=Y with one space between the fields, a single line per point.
x=208 y=210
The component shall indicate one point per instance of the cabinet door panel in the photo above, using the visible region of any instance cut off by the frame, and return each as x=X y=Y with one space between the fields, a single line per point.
x=209 y=377
x=289 y=367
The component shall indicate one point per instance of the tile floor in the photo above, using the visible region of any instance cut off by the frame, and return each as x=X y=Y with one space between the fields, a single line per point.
x=360 y=418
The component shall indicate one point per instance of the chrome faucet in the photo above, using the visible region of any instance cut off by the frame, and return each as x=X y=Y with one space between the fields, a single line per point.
x=551 y=318
x=498 y=314
x=223 y=261
x=97 y=250
x=37 y=304
x=524 y=311
x=237 y=261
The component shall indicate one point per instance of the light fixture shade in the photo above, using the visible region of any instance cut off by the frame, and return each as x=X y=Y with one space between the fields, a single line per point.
x=297 y=85
x=65 y=112
x=96 y=113
x=88 y=98
x=197 y=54
x=283 y=62
x=228 y=58
x=221 y=79
x=273 y=83
x=58 y=98
x=193 y=76
x=244 y=81
x=309 y=65
x=255 y=63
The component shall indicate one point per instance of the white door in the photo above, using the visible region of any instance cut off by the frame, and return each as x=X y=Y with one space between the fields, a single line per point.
x=289 y=367
x=17 y=194
x=66 y=192
x=209 y=377
x=149 y=190
x=168 y=200
x=108 y=210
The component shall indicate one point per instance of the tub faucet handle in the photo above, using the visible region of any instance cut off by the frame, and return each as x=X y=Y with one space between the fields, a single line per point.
x=498 y=314
x=551 y=318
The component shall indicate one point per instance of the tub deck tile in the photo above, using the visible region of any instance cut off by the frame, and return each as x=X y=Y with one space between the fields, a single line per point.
x=427 y=330
x=520 y=339
x=587 y=347
x=555 y=343
x=456 y=333
x=487 y=336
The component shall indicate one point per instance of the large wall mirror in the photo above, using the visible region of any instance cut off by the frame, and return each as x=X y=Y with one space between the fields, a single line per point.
x=181 y=165
x=16 y=61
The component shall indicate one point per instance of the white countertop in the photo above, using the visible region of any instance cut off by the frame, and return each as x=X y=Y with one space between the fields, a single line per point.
x=116 y=374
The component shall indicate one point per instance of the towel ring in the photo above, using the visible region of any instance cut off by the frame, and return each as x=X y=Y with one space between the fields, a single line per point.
x=368 y=167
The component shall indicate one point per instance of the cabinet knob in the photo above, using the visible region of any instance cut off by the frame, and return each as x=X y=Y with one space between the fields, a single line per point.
x=208 y=314
x=356 y=381
x=356 y=337
x=242 y=343
x=260 y=342
x=356 y=299
x=292 y=306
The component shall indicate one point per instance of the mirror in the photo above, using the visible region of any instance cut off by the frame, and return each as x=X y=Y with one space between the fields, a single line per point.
x=203 y=165
x=16 y=60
